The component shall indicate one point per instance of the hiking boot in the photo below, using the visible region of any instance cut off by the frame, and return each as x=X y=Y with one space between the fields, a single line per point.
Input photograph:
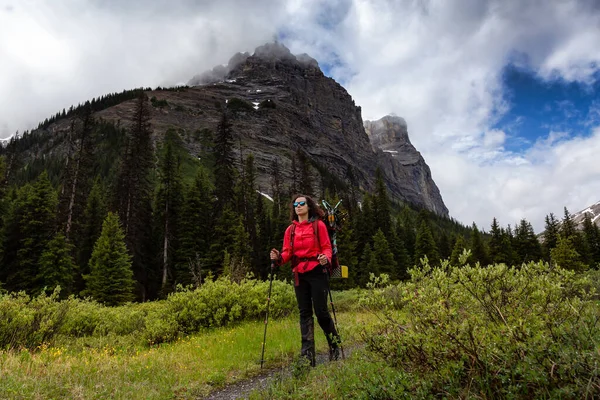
x=334 y=354
x=310 y=356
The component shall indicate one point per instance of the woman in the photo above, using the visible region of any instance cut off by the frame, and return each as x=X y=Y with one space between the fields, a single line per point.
x=309 y=252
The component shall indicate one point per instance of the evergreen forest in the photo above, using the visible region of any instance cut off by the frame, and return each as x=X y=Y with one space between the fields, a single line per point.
x=120 y=216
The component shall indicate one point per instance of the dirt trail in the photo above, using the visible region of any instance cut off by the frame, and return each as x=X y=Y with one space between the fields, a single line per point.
x=242 y=389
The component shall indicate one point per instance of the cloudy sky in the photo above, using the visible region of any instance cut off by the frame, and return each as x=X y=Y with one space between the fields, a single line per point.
x=502 y=97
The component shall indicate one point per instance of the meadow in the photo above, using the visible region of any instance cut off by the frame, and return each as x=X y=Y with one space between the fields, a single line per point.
x=473 y=332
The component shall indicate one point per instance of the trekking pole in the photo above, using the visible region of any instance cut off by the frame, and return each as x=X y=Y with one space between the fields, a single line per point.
x=334 y=317
x=262 y=357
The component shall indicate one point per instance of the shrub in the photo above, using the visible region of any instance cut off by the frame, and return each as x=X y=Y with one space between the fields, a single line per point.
x=495 y=332
x=220 y=302
x=236 y=104
x=32 y=321
x=158 y=103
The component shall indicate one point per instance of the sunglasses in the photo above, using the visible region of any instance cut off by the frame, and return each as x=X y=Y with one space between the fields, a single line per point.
x=299 y=203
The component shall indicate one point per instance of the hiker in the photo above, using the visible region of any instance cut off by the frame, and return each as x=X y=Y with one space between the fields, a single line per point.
x=309 y=250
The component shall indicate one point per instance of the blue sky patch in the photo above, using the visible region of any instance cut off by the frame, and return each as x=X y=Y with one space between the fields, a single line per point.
x=538 y=107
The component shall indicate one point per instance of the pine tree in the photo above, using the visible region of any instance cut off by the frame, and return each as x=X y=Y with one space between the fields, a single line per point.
x=196 y=223
x=382 y=259
x=459 y=247
x=249 y=212
x=400 y=254
x=565 y=256
x=264 y=236
x=425 y=245
x=381 y=205
x=362 y=271
x=478 y=248
x=30 y=227
x=550 y=234
x=527 y=246
x=352 y=200
x=409 y=233
x=347 y=254
x=93 y=217
x=280 y=217
x=134 y=196
x=79 y=163
x=111 y=278
x=11 y=230
x=496 y=251
x=306 y=178
x=168 y=204
x=444 y=246
x=3 y=208
x=591 y=234
x=56 y=266
x=508 y=246
x=364 y=223
x=241 y=249
x=3 y=188
x=567 y=227
x=222 y=240
x=569 y=231
x=224 y=164
x=207 y=148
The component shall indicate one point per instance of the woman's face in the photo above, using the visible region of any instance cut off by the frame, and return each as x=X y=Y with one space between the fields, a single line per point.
x=301 y=206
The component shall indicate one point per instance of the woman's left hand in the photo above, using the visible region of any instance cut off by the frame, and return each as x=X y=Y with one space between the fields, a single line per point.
x=322 y=259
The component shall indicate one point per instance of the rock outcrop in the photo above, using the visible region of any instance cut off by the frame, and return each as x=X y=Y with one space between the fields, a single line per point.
x=396 y=155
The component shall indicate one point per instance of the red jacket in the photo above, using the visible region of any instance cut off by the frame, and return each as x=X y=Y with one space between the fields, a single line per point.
x=305 y=245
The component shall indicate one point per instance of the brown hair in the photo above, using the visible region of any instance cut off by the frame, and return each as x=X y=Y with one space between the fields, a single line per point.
x=314 y=211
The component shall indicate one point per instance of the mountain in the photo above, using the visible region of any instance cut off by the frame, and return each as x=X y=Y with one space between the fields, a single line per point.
x=389 y=137
x=593 y=211
x=282 y=107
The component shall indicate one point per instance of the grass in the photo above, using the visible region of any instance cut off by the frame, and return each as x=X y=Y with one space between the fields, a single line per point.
x=360 y=377
x=191 y=367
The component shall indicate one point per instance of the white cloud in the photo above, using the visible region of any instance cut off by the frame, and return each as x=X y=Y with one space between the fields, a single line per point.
x=55 y=54
x=437 y=64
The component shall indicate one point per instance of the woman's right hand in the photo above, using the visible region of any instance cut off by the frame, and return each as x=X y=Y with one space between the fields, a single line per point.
x=274 y=254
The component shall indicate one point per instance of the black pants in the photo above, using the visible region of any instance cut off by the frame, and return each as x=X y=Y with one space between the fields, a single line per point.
x=312 y=290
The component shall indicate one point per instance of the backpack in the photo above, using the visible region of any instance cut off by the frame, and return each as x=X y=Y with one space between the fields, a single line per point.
x=333 y=221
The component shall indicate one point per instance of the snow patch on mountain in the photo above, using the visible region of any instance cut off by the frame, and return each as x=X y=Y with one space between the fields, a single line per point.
x=593 y=211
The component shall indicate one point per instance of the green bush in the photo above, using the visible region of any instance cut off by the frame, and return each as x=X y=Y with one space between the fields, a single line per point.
x=494 y=332
x=32 y=321
x=158 y=103
x=236 y=104
x=220 y=302
x=347 y=300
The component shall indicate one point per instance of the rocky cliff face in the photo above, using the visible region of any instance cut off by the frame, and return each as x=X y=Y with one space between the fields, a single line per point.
x=396 y=154
x=310 y=112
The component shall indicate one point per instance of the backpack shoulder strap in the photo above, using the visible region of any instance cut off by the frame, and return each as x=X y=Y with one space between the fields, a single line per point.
x=315 y=225
x=292 y=233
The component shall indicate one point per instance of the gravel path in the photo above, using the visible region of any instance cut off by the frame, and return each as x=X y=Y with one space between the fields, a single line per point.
x=242 y=389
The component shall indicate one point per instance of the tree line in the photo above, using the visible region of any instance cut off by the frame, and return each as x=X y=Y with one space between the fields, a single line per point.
x=123 y=217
